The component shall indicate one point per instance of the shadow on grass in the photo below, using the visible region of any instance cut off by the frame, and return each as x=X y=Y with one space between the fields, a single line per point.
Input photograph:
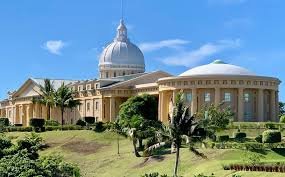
x=280 y=151
x=260 y=151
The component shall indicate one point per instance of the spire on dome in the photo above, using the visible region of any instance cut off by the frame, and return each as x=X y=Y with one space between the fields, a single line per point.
x=122 y=32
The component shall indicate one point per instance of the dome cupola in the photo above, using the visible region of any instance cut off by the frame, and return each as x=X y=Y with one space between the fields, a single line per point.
x=121 y=57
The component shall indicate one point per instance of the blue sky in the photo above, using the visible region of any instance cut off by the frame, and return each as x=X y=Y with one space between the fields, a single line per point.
x=63 y=38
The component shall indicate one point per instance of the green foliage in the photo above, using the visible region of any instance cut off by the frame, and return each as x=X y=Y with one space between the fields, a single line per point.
x=240 y=136
x=99 y=127
x=89 y=120
x=223 y=138
x=32 y=143
x=215 y=118
x=282 y=108
x=37 y=123
x=4 y=121
x=271 y=136
x=55 y=166
x=155 y=175
x=19 y=129
x=252 y=158
x=145 y=106
x=52 y=123
x=271 y=125
x=258 y=138
x=81 y=123
x=282 y=119
x=64 y=98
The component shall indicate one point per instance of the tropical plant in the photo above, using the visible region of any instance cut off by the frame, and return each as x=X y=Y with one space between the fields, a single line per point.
x=64 y=98
x=281 y=108
x=215 y=118
x=180 y=124
x=46 y=96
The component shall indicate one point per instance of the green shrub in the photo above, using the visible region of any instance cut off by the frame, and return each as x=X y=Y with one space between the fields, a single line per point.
x=18 y=125
x=202 y=175
x=258 y=139
x=5 y=142
x=52 y=123
x=19 y=129
x=223 y=138
x=52 y=128
x=89 y=120
x=155 y=175
x=271 y=136
x=240 y=136
x=37 y=124
x=282 y=119
x=99 y=127
x=81 y=122
x=72 y=127
x=270 y=125
x=4 y=121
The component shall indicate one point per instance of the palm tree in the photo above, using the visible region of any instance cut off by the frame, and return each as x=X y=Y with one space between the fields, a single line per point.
x=180 y=124
x=47 y=96
x=64 y=98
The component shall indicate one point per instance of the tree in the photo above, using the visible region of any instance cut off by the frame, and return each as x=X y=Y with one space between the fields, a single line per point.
x=137 y=109
x=215 y=118
x=180 y=124
x=281 y=109
x=64 y=98
x=46 y=96
x=144 y=105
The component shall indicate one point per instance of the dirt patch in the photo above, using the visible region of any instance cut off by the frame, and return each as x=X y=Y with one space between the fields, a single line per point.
x=149 y=160
x=83 y=147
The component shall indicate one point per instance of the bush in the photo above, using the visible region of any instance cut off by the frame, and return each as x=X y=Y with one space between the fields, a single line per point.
x=89 y=120
x=52 y=128
x=18 y=125
x=4 y=121
x=270 y=125
x=154 y=175
x=258 y=139
x=19 y=129
x=52 y=123
x=223 y=138
x=282 y=119
x=99 y=127
x=5 y=142
x=271 y=136
x=240 y=136
x=37 y=124
x=81 y=122
x=72 y=127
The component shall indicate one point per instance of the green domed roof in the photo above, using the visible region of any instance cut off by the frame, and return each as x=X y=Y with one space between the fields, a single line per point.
x=218 y=62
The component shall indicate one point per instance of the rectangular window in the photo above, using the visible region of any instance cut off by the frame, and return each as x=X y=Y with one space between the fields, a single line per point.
x=207 y=97
x=96 y=105
x=88 y=106
x=227 y=97
x=246 y=97
x=188 y=97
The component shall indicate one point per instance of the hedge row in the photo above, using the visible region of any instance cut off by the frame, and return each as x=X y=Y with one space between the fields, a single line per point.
x=245 y=146
x=262 y=167
x=46 y=128
x=256 y=125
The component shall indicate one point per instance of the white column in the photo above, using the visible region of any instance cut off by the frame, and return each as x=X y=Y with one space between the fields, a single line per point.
x=159 y=105
x=260 y=105
x=194 y=101
x=240 y=105
x=273 y=105
x=217 y=96
x=163 y=112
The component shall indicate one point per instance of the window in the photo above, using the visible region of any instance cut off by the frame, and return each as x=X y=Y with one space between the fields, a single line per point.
x=207 y=97
x=107 y=74
x=188 y=98
x=88 y=87
x=124 y=73
x=80 y=88
x=96 y=105
x=115 y=74
x=88 y=106
x=227 y=97
x=246 y=97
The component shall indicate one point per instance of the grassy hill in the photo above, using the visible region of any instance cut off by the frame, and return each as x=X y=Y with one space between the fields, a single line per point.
x=96 y=155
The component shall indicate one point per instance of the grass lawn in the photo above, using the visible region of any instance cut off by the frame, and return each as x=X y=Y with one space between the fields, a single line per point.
x=96 y=155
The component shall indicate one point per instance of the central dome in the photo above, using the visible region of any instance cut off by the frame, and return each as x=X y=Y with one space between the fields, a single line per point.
x=121 y=57
x=218 y=67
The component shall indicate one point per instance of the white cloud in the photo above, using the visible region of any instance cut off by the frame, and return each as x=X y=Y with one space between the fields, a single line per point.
x=170 y=43
x=194 y=57
x=54 y=46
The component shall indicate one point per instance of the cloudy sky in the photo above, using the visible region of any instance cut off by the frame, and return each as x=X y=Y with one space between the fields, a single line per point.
x=63 y=39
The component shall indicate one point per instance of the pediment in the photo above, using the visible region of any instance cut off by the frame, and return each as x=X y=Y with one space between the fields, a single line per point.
x=28 y=89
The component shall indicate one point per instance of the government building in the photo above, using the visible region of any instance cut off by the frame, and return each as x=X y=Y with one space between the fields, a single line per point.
x=122 y=74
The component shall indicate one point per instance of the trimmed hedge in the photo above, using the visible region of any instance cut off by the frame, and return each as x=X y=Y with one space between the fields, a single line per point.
x=99 y=127
x=258 y=139
x=223 y=138
x=256 y=125
x=89 y=120
x=239 y=136
x=37 y=124
x=52 y=123
x=271 y=136
x=81 y=123
x=282 y=119
x=4 y=121
x=245 y=146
